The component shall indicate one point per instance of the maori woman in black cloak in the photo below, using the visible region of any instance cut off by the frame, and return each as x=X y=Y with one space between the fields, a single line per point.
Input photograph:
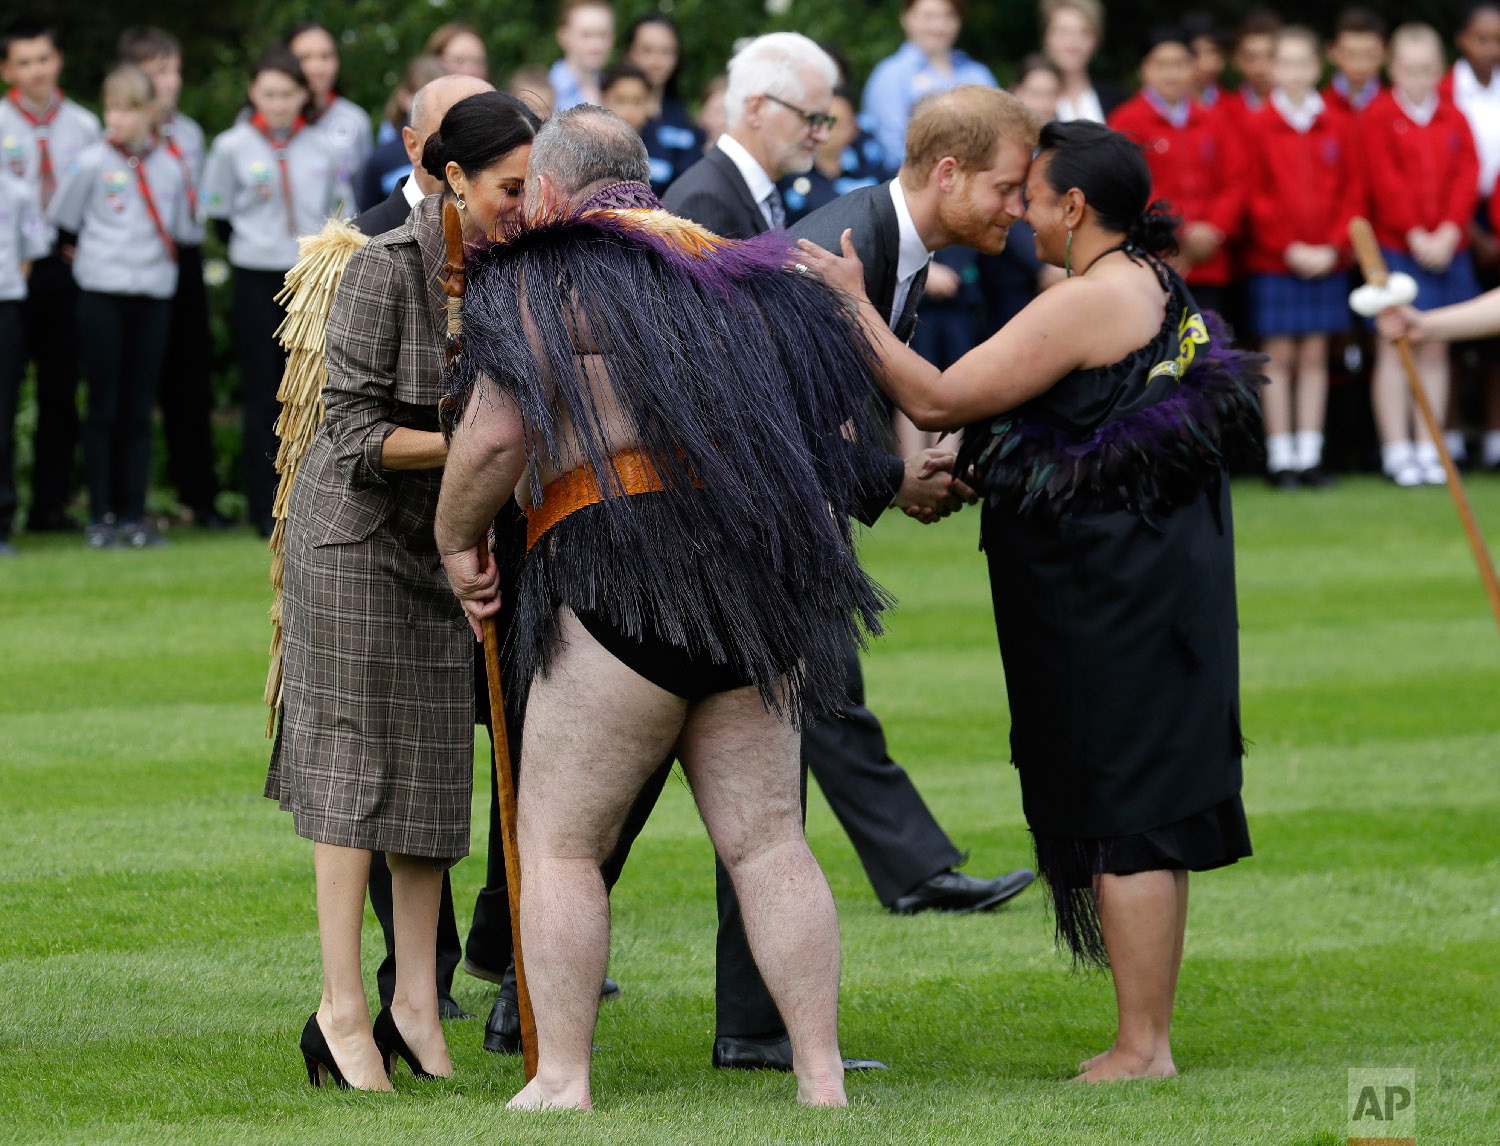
x=1099 y=422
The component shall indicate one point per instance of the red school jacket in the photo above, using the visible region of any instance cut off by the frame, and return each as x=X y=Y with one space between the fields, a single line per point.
x=1196 y=168
x=1418 y=176
x=1304 y=186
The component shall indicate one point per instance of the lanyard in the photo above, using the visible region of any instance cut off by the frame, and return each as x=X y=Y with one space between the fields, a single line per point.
x=278 y=148
x=187 y=173
x=41 y=125
x=138 y=164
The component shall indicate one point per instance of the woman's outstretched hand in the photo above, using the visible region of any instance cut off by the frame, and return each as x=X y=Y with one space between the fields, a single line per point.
x=845 y=273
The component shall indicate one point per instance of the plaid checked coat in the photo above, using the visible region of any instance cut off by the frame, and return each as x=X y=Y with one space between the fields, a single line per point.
x=376 y=742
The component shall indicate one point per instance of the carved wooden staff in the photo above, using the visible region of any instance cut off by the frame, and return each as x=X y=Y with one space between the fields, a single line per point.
x=1367 y=251
x=453 y=285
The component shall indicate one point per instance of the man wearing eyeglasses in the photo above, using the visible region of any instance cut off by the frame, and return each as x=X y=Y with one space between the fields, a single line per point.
x=777 y=112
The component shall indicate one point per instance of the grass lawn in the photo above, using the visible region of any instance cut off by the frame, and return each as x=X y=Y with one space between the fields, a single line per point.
x=158 y=953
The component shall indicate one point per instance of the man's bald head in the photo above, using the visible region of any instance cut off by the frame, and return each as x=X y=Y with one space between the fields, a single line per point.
x=428 y=106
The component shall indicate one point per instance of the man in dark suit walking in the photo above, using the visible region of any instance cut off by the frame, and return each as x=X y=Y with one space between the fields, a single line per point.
x=776 y=105
x=428 y=107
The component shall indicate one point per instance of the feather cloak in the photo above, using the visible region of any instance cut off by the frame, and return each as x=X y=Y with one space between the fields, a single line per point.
x=744 y=382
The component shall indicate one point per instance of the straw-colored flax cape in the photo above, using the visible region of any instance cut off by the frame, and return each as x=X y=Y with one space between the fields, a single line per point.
x=308 y=298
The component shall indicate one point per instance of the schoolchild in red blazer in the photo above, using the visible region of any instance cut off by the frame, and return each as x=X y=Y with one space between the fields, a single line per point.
x=1357 y=55
x=1252 y=55
x=1192 y=163
x=1306 y=184
x=1473 y=84
x=1424 y=174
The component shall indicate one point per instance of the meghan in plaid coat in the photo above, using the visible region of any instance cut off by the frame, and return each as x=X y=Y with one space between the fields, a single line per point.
x=376 y=744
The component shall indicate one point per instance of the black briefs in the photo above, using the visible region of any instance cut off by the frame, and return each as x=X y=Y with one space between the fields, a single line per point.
x=669 y=667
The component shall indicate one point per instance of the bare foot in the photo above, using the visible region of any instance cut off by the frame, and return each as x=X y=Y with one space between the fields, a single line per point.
x=424 y=1035
x=354 y=1051
x=1088 y=1063
x=1118 y=1063
x=822 y=1090
x=535 y=1096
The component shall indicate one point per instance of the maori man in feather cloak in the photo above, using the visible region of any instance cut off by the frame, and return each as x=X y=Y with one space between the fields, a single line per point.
x=676 y=412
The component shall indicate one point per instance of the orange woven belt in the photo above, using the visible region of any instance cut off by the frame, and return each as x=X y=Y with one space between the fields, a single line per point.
x=578 y=489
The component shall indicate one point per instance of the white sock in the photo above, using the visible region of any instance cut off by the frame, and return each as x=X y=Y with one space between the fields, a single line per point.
x=1281 y=453
x=1427 y=454
x=1492 y=448
x=1309 y=449
x=1458 y=449
x=1394 y=457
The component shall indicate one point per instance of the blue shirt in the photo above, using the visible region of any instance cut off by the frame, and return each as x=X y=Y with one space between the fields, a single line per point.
x=673 y=144
x=565 y=90
x=898 y=82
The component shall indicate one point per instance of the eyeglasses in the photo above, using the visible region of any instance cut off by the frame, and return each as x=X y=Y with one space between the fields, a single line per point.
x=815 y=120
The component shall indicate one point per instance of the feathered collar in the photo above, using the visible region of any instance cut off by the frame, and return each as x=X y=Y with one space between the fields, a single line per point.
x=631 y=213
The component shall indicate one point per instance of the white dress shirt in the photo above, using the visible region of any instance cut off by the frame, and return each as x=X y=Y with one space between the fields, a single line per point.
x=1480 y=104
x=912 y=254
x=761 y=185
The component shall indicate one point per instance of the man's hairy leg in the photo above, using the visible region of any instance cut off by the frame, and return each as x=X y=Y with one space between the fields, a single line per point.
x=742 y=763
x=594 y=732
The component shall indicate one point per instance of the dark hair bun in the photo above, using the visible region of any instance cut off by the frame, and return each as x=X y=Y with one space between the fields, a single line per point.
x=434 y=162
x=476 y=131
x=1111 y=171
x=1155 y=229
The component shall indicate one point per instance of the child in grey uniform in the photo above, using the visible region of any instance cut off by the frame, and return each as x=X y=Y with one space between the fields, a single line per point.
x=186 y=392
x=124 y=199
x=41 y=133
x=267 y=180
x=346 y=124
x=24 y=238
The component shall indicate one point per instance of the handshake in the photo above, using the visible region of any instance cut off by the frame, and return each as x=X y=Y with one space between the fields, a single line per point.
x=929 y=490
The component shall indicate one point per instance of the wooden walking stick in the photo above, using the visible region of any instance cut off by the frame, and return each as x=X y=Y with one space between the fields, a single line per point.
x=453 y=285
x=1367 y=251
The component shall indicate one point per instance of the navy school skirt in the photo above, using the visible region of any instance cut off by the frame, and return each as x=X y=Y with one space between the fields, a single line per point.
x=1287 y=306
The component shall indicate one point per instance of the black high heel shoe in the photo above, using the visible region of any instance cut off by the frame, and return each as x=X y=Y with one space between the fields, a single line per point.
x=319 y=1058
x=391 y=1045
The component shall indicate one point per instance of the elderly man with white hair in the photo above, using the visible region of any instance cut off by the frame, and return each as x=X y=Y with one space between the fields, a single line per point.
x=776 y=109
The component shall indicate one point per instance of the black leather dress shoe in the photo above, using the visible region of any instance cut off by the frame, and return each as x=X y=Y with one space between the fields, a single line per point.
x=1315 y=478
x=959 y=893
x=502 y=1030
x=770 y=1053
x=448 y=1008
x=753 y=1053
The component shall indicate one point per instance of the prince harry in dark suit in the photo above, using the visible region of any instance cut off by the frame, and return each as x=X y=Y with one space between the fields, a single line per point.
x=960 y=184
x=773 y=129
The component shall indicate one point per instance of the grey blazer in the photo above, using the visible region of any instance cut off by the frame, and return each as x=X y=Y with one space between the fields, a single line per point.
x=871 y=215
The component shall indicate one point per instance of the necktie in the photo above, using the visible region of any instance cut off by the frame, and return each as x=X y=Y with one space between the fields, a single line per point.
x=906 y=323
x=279 y=144
x=137 y=163
x=41 y=125
x=187 y=172
x=778 y=209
